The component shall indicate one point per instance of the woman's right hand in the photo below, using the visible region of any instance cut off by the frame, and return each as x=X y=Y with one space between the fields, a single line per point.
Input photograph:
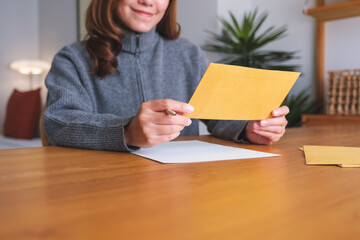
x=152 y=126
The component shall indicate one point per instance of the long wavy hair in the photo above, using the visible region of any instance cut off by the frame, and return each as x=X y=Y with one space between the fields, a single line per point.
x=104 y=37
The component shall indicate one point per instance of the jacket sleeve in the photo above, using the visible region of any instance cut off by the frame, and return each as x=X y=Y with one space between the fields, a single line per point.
x=70 y=118
x=225 y=129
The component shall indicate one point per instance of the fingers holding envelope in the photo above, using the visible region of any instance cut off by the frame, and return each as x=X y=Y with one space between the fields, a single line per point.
x=269 y=130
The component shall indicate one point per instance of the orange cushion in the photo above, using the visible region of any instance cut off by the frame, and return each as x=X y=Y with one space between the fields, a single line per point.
x=22 y=114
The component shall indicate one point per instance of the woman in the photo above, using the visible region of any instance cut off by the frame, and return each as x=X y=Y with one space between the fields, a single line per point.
x=110 y=92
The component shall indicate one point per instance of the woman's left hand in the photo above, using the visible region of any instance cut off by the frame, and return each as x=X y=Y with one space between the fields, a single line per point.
x=269 y=130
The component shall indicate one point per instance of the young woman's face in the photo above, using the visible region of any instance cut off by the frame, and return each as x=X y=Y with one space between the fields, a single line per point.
x=141 y=15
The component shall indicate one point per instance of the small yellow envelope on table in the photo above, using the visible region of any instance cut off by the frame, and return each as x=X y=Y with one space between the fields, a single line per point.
x=332 y=155
x=229 y=92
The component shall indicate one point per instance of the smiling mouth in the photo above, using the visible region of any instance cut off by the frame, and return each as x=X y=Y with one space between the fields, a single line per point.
x=143 y=13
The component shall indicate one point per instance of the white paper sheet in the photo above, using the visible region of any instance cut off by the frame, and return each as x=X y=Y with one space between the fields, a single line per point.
x=197 y=151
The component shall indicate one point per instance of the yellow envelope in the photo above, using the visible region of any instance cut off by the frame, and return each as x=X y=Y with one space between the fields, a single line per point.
x=326 y=155
x=240 y=93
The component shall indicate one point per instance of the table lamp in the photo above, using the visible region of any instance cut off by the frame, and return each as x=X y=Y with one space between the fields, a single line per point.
x=30 y=67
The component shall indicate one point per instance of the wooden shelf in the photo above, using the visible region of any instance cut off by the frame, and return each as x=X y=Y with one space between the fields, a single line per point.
x=335 y=11
x=322 y=120
x=322 y=13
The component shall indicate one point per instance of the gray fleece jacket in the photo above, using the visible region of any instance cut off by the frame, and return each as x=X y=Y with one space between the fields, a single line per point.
x=84 y=111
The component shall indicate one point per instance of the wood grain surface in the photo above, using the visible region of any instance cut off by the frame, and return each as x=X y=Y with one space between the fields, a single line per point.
x=63 y=193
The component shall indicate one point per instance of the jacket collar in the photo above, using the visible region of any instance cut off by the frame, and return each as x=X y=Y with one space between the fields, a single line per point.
x=134 y=42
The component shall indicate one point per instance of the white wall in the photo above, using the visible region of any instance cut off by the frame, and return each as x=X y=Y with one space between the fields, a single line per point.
x=238 y=7
x=19 y=39
x=57 y=28
x=193 y=22
x=342 y=48
x=197 y=17
x=83 y=5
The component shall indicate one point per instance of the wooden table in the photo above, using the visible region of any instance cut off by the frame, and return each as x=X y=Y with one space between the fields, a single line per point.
x=64 y=193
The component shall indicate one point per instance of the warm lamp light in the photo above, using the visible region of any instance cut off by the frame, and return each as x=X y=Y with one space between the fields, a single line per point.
x=30 y=67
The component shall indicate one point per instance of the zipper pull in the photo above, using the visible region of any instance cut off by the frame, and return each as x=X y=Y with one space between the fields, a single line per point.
x=137 y=50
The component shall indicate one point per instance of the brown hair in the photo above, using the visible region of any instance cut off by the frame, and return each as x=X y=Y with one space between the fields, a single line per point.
x=104 y=39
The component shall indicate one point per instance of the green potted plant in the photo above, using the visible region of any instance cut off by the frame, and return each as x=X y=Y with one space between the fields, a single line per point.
x=298 y=105
x=241 y=43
